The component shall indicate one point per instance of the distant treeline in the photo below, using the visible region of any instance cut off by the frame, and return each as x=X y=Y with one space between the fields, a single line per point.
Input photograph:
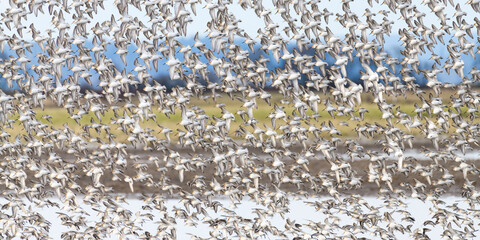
x=354 y=69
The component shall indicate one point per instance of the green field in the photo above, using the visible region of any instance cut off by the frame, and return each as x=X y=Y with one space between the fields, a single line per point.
x=56 y=117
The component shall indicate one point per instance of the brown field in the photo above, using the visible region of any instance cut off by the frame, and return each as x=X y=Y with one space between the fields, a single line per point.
x=163 y=175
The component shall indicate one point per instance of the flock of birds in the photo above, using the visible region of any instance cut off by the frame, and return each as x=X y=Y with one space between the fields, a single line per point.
x=299 y=152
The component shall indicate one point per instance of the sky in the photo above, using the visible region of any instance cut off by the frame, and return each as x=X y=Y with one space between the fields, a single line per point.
x=250 y=22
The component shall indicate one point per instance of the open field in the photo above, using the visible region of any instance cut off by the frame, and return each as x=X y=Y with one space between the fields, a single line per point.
x=58 y=118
